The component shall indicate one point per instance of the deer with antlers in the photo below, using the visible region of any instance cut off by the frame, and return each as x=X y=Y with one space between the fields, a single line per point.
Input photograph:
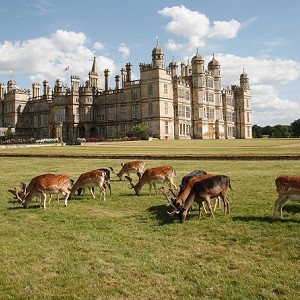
x=41 y=186
x=136 y=167
x=152 y=176
x=201 y=189
x=95 y=178
x=287 y=187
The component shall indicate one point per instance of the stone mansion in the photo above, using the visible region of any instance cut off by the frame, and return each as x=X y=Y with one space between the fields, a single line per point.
x=173 y=104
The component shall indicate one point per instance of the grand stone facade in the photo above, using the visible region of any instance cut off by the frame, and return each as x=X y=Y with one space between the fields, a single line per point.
x=171 y=104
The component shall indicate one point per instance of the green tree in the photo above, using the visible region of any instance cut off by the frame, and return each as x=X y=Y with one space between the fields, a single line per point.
x=256 y=131
x=8 y=134
x=295 y=126
x=267 y=130
x=281 y=131
x=140 y=132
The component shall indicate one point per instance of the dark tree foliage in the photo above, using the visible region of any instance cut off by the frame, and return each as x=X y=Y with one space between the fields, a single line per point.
x=267 y=130
x=256 y=131
x=296 y=128
x=277 y=131
x=281 y=131
x=139 y=132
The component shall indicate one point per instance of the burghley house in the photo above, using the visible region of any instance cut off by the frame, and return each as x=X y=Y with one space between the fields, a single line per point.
x=177 y=101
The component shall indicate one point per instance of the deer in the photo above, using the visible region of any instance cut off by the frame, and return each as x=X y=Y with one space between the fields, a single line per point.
x=210 y=186
x=70 y=186
x=107 y=181
x=152 y=176
x=184 y=182
x=287 y=187
x=136 y=167
x=95 y=178
x=187 y=183
x=42 y=185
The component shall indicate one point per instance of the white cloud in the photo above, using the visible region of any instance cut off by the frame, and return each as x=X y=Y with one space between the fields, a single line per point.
x=47 y=57
x=227 y=30
x=262 y=71
x=269 y=108
x=124 y=50
x=195 y=27
x=98 y=46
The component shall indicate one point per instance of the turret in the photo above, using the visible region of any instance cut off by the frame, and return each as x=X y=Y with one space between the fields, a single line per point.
x=157 y=57
x=215 y=68
x=244 y=81
x=94 y=76
x=35 y=90
x=173 y=67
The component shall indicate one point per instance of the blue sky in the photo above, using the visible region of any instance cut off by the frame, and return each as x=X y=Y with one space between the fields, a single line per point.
x=40 y=38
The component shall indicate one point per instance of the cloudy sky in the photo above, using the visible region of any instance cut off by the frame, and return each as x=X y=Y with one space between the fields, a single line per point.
x=40 y=38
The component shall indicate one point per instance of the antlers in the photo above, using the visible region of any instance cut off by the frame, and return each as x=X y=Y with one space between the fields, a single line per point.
x=130 y=180
x=169 y=199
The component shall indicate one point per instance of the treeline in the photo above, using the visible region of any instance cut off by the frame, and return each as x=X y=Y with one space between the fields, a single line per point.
x=277 y=131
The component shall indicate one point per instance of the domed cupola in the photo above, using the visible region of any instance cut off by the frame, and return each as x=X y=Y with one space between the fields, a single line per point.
x=213 y=63
x=244 y=81
x=157 y=51
x=157 y=56
x=197 y=58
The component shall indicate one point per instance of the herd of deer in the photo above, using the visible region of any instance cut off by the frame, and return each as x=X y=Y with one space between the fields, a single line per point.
x=197 y=186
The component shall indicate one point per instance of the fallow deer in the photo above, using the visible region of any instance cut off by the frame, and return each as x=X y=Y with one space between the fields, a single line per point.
x=202 y=191
x=152 y=176
x=184 y=182
x=136 y=167
x=95 y=178
x=287 y=187
x=185 y=190
x=107 y=181
x=42 y=185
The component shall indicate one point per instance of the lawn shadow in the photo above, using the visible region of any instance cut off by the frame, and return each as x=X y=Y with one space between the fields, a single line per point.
x=161 y=214
x=263 y=219
x=21 y=207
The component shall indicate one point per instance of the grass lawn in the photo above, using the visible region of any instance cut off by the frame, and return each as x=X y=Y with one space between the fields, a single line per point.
x=128 y=247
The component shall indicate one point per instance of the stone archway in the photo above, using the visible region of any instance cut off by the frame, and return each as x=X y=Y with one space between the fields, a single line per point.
x=93 y=132
x=81 y=131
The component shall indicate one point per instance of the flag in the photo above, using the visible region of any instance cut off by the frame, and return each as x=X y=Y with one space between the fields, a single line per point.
x=67 y=68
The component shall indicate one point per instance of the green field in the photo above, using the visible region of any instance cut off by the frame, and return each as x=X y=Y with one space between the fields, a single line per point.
x=174 y=147
x=128 y=247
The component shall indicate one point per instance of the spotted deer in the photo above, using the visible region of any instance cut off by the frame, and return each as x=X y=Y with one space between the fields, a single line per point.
x=95 y=178
x=287 y=187
x=136 y=167
x=42 y=185
x=152 y=176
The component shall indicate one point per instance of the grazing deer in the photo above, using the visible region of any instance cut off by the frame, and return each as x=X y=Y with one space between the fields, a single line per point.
x=107 y=181
x=152 y=176
x=136 y=167
x=184 y=183
x=210 y=186
x=187 y=184
x=287 y=187
x=70 y=186
x=95 y=178
x=41 y=186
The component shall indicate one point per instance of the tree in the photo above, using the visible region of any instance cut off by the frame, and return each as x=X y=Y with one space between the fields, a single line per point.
x=267 y=130
x=8 y=134
x=295 y=126
x=139 y=132
x=256 y=131
x=281 y=131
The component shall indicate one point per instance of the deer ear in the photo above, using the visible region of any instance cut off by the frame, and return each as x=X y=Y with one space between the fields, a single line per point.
x=23 y=185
